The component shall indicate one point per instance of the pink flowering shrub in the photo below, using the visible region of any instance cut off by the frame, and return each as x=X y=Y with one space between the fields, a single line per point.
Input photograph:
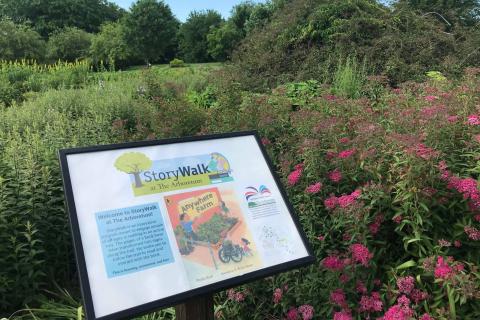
x=392 y=212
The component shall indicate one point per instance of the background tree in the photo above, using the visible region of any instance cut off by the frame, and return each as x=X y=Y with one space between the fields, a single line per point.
x=110 y=46
x=133 y=163
x=193 y=33
x=151 y=30
x=20 y=42
x=69 y=44
x=241 y=14
x=223 y=40
x=46 y=16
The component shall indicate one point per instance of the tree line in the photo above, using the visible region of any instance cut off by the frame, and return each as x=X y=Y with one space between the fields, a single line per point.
x=50 y=30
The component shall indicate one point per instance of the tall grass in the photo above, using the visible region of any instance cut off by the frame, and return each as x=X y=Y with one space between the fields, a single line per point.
x=17 y=78
x=349 y=78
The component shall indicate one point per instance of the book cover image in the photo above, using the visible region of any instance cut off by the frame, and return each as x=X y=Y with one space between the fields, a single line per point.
x=212 y=235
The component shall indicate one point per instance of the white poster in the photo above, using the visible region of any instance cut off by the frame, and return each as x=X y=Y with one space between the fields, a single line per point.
x=160 y=220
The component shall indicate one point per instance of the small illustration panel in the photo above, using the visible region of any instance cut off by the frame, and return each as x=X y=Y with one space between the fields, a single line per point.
x=212 y=235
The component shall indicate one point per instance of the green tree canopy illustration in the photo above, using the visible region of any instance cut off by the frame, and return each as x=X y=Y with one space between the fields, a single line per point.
x=133 y=163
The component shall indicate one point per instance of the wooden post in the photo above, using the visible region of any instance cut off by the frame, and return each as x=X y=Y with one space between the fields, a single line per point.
x=200 y=308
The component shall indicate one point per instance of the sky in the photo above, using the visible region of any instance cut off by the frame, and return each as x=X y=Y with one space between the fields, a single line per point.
x=181 y=8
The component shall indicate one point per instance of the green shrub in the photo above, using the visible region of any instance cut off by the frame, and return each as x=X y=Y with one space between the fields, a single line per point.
x=20 y=42
x=349 y=78
x=69 y=44
x=110 y=47
x=302 y=36
x=204 y=99
x=177 y=63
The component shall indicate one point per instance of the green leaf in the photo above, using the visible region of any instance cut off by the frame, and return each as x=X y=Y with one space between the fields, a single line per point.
x=406 y=265
x=451 y=303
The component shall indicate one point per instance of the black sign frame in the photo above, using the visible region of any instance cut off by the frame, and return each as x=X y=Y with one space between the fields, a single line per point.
x=187 y=295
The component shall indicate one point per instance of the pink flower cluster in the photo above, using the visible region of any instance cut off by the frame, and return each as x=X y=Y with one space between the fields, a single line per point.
x=314 y=188
x=342 y=315
x=277 y=295
x=236 y=296
x=371 y=303
x=306 y=312
x=344 y=140
x=473 y=120
x=338 y=298
x=346 y=153
x=418 y=295
x=442 y=269
x=343 y=201
x=430 y=112
x=430 y=98
x=360 y=254
x=360 y=287
x=375 y=226
x=422 y=151
x=468 y=187
x=335 y=175
x=333 y=263
x=397 y=219
x=452 y=119
x=400 y=311
x=472 y=232
x=295 y=175
x=406 y=284
x=266 y=141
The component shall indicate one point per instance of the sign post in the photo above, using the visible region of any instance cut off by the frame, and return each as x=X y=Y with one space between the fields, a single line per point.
x=170 y=222
x=200 y=308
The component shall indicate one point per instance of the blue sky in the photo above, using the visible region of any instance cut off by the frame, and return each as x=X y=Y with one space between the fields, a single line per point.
x=181 y=8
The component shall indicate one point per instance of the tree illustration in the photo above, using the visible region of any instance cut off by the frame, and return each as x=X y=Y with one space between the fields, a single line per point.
x=133 y=163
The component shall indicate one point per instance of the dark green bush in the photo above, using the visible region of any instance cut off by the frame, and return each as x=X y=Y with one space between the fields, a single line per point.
x=305 y=38
x=69 y=44
x=20 y=42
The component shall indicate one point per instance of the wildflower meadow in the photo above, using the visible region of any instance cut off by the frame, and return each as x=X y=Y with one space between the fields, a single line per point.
x=385 y=186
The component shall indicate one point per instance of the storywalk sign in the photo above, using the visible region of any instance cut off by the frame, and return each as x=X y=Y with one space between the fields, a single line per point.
x=155 y=223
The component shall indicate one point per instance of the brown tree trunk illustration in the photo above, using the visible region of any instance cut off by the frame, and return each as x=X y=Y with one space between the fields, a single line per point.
x=138 y=181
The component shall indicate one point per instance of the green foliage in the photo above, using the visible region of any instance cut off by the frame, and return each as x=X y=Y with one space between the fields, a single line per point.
x=177 y=63
x=212 y=230
x=397 y=139
x=436 y=76
x=241 y=15
x=110 y=47
x=223 y=40
x=303 y=37
x=20 y=42
x=204 y=99
x=349 y=78
x=69 y=44
x=192 y=35
x=47 y=16
x=302 y=93
x=19 y=78
x=151 y=30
